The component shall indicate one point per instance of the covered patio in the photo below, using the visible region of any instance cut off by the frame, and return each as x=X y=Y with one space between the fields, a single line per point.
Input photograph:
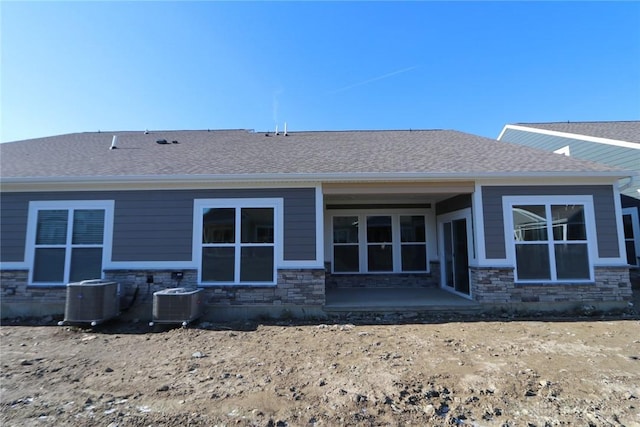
x=397 y=299
x=384 y=243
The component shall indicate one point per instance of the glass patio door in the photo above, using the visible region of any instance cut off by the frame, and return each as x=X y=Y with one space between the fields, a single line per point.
x=456 y=256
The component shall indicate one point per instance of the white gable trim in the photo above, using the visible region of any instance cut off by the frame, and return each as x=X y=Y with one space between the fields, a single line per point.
x=625 y=144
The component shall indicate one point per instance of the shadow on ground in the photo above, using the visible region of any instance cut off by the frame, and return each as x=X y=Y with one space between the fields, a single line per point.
x=118 y=326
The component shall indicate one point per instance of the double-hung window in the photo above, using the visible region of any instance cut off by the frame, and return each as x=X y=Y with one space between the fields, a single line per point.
x=69 y=241
x=551 y=238
x=237 y=240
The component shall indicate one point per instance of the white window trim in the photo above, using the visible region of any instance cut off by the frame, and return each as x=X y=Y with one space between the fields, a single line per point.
x=363 y=244
x=278 y=234
x=592 y=244
x=32 y=223
x=636 y=230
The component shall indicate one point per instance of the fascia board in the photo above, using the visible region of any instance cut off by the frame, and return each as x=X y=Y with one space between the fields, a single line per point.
x=504 y=129
x=552 y=180
x=262 y=180
x=315 y=177
x=576 y=136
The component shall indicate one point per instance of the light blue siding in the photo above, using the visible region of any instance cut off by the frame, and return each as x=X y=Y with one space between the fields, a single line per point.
x=620 y=157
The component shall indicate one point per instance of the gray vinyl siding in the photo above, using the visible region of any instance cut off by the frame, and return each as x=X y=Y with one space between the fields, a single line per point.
x=603 y=201
x=453 y=204
x=157 y=225
x=620 y=157
x=153 y=226
x=13 y=228
x=300 y=224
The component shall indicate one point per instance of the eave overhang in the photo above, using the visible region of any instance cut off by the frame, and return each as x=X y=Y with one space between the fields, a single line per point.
x=279 y=179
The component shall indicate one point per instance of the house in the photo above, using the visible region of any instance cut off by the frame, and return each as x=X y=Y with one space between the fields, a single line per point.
x=275 y=222
x=613 y=143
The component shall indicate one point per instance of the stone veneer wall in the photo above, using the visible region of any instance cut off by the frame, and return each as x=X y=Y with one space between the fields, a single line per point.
x=496 y=285
x=302 y=287
x=13 y=284
x=396 y=280
x=295 y=287
x=150 y=281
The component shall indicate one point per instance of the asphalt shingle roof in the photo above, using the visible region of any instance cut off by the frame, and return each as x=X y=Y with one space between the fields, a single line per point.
x=628 y=131
x=239 y=152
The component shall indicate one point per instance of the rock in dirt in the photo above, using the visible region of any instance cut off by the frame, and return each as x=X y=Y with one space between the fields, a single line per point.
x=429 y=410
x=360 y=398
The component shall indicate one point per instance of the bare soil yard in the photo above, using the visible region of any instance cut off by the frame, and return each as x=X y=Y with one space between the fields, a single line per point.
x=394 y=370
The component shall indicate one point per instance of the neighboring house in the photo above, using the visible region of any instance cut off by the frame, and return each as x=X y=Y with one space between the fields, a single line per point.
x=614 y=143
x=277 y=222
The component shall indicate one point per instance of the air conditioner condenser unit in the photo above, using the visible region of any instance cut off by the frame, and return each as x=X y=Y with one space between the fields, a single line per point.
x=176 y=305
x=91 y=301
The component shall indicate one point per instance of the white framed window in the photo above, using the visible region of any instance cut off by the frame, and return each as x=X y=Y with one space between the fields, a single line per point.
x=346 y=244
x=379 y=243
x=68 y=241
x=631 y=227
x=550 y=239
x=238 y=241
x=413 y=243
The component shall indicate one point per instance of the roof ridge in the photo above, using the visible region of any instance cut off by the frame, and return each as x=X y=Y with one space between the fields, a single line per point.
x=577 y=122
x=364 y=130
x=158 y=131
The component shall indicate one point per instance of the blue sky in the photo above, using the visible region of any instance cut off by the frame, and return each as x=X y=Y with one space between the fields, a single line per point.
x=471 y=66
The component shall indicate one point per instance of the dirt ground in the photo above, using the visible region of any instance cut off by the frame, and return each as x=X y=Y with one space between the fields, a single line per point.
x=389 y=370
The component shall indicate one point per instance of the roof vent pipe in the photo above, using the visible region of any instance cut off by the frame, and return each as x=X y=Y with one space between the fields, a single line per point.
x=285 y=129
x=277 y=130
x=114 y=143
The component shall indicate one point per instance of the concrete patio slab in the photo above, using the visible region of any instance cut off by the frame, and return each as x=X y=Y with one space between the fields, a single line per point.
x=396 y=299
